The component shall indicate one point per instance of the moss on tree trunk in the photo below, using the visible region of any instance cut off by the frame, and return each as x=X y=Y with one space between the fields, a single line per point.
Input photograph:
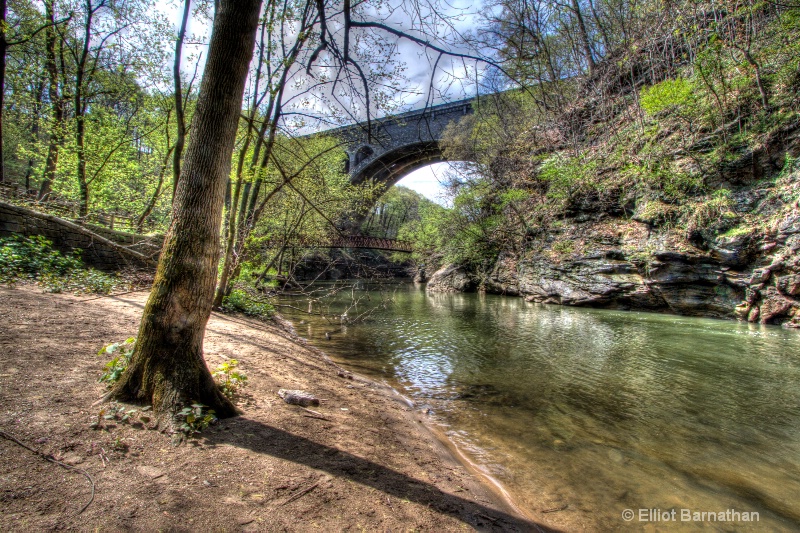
x=167 y=368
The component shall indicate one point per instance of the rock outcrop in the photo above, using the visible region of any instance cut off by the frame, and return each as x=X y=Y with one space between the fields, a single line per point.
x=623 y=264
x=452 y=278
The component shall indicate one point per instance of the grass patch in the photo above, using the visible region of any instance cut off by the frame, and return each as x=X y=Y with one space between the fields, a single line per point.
x=239 y=301
x=563 y=247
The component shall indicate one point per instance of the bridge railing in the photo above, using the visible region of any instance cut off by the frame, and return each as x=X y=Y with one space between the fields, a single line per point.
x=375 y=243
x=354 y=241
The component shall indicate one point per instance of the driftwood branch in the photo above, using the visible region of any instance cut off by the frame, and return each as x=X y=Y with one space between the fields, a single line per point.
x=298 y=397
x=49 y=458
x=301 y=493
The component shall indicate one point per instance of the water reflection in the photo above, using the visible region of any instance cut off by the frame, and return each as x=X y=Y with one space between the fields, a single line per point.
x=599 y=410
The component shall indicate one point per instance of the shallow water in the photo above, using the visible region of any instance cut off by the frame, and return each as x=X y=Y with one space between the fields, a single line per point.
x=599 y=411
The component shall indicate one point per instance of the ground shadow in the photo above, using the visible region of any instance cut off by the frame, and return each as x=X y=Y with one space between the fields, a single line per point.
x=284 y=445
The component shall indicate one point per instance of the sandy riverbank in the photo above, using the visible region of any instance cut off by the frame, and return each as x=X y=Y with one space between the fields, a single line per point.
x=366 y=464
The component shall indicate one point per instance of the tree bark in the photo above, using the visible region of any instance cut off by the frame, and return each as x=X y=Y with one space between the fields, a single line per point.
x=167 y=368
x=179 y=109
x=3 y=51
x=80 y=110
x=56 y=101
x=584 y=35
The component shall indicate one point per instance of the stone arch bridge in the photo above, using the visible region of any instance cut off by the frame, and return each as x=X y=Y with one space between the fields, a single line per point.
x=398 y=144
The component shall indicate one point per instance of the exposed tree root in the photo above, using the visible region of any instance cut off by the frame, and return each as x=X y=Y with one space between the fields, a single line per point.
x=170 y=386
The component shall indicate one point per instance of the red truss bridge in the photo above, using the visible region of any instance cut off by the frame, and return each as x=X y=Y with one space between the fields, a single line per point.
x=356 y=241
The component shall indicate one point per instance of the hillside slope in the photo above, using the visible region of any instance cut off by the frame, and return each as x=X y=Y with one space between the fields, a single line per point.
x=669 y=180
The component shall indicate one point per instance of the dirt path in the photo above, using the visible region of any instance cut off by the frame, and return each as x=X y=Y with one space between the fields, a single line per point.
x=369 y=466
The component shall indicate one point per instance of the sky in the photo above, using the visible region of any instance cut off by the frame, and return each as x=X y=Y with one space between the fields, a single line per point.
x=444 y=84
x=428 y=182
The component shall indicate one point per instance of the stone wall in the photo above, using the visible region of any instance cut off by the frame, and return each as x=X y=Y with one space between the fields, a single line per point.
x=23 y=221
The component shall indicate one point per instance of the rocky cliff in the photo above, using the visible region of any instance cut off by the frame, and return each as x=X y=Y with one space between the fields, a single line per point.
x=745 y=264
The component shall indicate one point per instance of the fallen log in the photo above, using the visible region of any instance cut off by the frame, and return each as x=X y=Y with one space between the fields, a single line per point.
x=298 y=397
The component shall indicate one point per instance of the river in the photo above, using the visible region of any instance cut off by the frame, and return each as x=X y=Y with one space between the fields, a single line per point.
x=583 y=414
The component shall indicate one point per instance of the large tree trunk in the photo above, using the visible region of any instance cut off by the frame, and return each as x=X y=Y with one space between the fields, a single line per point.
x=167 y=367
x=3 y=51
x=56 y=100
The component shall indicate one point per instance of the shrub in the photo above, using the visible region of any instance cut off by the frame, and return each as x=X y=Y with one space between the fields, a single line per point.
x=195 y=418
x=716 y=211
x=563 y=247
x=566 y=175
x=669 y=95
x=121 y=352
x=33 y=258
x=239 y=301
x=229 y=379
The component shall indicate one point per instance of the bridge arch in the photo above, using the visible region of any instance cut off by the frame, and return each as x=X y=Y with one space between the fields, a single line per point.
x=392 y=166
x=393 y=147
x=396 y=145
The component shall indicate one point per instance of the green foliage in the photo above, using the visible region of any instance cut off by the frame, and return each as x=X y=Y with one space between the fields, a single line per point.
x=240 y=301
x=739 y=231
x=677 y=95
x=715 y=211
x=121 y=353
x=563 y=247
x=83 y=280
x=566 y=175
x=229 y=379
x=663 y=180
x=513 y=195
x=33 y=259
x=424 y=231
x=195 y=418
x=398 y=206
x=789 y=165
x=656 y=213
x=114 y=412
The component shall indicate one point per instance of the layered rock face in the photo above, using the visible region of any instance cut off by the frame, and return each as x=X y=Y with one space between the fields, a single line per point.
x=773 y=291
x=621 y=263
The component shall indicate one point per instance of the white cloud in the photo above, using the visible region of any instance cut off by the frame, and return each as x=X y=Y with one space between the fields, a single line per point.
x=429 y=182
